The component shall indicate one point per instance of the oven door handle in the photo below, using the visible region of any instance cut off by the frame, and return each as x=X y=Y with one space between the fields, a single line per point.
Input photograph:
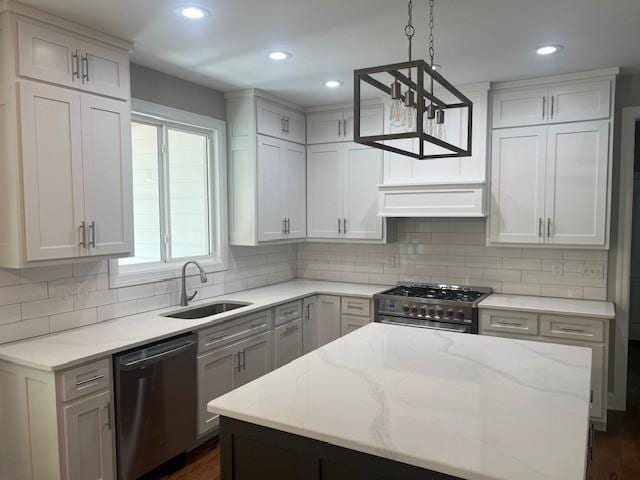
x=457 y=330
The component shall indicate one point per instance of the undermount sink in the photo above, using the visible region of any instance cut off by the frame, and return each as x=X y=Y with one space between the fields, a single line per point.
x=206 y=310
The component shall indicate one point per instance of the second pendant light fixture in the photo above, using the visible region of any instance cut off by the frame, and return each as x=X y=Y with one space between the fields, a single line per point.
x=403 y=107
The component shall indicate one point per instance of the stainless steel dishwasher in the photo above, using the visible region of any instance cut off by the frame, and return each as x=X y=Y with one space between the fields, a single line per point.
x=155 y=393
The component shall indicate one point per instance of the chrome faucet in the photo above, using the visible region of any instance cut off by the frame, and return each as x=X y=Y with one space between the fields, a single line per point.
x=184 y=298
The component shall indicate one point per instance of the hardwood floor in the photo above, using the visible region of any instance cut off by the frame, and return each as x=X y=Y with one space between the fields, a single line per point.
x=616 y=453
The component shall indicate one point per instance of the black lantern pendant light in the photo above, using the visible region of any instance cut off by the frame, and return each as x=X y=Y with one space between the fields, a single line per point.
x=418 y=112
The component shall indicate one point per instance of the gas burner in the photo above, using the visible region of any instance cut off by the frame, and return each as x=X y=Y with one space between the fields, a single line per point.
x=438 y=292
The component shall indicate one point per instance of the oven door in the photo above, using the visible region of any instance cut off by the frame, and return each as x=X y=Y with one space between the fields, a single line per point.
x=423 y=323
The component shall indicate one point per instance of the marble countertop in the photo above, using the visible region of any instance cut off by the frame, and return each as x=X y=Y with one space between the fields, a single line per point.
x=475 y=407
x=62 y=350
x=559 y=306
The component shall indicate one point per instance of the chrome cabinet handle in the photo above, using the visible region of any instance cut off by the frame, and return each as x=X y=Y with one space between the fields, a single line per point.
x=509 y=324
x=344 y=127
x=244 y=360
x=572 y=330
x=215 y=338
x=85 y=67
x=258 y=325
x=83 y=234
x=290 y=329
x=339 y=128
x=282 y=125
x=284 y=220
x=544 y=104
x=552 y=104
x=288 y=225
x=238 y=362
x=89 y=380
x=92 y=234
x=344 y=226
x=107 y=423
x=286 y=122
x=76 y=61
x=339 y=226
x=354 y=307
x=308 y=311
x=540 y=226
x=548 y=227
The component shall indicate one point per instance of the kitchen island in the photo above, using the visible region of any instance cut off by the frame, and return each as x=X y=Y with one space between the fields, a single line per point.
x=388 y=401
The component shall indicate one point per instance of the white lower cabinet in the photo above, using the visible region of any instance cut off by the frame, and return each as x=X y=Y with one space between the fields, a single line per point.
x=356 y=312
x=349 y=323
x=88 y=433
x=288 y=342
x=321 y=321
x=592 y=333
x=342 y=191
x=216 y=370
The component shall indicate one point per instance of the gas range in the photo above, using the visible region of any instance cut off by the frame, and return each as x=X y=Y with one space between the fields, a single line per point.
x=441 y=307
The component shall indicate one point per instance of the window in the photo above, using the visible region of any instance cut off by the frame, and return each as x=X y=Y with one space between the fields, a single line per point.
x=178 y=202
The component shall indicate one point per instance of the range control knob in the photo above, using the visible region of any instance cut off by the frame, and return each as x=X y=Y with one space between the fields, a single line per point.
x=405 y=308
x=439 y=312
x=450 y=313
x=414 y=309
x=423 y=310
x=460 y=314
x=432 y=312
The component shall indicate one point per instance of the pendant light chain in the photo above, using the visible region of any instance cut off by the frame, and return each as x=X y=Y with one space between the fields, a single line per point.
x=409 y=30
x=431 y=49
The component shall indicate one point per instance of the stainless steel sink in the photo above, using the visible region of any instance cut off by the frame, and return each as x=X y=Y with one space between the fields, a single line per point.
x=206 y=310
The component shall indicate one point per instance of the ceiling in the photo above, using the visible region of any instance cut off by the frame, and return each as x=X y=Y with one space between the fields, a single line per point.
x=476 y=40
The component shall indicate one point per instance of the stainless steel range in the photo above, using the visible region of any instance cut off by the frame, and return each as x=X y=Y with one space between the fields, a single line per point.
x=443 y=307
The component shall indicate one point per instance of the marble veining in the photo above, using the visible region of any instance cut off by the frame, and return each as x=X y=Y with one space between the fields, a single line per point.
x=475 y=407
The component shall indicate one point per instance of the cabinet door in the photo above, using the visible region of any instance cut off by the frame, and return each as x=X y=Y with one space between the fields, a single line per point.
x=270 y=119
x=520 y=107
x=349 y=323
x=576 y=193
x=294 y=171
x=371 y=122
x=48 y=55
x=362 y=174
x=296 y=126
x=52 y=171
x=288 y=342
x=105 y=70
x=325 y=127
x=309 y=324
x=89 y=438
x=106 y=146
x=255 y=358
x=324 y=191
x=216 y=371
x=580 y=101
x=328 y=319
x=517 y=185
x=271 y=215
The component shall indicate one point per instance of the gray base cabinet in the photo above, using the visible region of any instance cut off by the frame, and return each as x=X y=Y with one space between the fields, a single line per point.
x=288 y=342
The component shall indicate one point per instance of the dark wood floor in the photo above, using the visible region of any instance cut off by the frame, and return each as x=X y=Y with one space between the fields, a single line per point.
x=616 y=452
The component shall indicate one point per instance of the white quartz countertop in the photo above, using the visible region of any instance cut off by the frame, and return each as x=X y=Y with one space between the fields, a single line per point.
x=558 y=306
x=475 y=407
x=62 y=350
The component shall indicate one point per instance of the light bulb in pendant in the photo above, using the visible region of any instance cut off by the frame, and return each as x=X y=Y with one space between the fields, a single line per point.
x=440 y=128
x=410 y=112
x=397 y=111
x=429 y=119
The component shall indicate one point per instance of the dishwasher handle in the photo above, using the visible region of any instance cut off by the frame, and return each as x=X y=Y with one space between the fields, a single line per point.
x=156 y=356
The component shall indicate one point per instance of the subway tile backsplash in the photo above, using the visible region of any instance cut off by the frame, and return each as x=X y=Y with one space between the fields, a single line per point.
x=454 y=251
x=45 y=300
x=51 y=299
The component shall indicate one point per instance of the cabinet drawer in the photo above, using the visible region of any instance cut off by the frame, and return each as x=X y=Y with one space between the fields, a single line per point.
x=356 y=306
x=349 y=323
x=236 y=329
x=520 y=323
x=287 y=312
x=576 y=328
x=86 y=379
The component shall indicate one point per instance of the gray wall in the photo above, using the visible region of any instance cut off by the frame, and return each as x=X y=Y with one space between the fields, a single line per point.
x=158 y=87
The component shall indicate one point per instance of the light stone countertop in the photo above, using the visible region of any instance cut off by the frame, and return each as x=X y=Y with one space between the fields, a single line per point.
x=549 y=305
x=65 y=349
x=475 y=407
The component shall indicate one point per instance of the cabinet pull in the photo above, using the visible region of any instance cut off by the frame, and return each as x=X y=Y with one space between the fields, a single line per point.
x=540 y=226
x=308 y=311
x=344 y=226
x=339 y=226
x=258 y=325
x=108 y=415
x=509 y=324
x=85 y=67
x=544 y=104
x=282 y=125
x=289 y=312
x=572 y=330
x=286 y=123
x=75 y=62
x=287 y=225
x=552 y=104
x=92 y=234
x=339 y=128
x=244 y=360
x=548 y=228
x=284 y=220
x=591 y=396
x=238 y=362
x=83 y=234
x=215 y=338
x=354 y=307
x=344 y=127
x=290 y=329
x=89 y=380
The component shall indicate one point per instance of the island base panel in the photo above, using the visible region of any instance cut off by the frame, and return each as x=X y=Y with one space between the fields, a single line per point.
x=253 y=452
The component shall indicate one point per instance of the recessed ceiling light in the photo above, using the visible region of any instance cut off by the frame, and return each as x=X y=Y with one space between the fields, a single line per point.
x=333 y=83
x=549 y=49
x=279 y=55
x=193 y=13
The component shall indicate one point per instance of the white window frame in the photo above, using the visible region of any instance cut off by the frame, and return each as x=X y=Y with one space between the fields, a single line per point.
x=155 y=114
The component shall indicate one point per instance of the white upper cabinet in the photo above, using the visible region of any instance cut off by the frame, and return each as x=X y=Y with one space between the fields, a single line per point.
x=281 y=190
x=280 y=122
x=550 y=183
x=564 y=102
x=57 y=56
x=337 y=125
x=517 y=184
x=342 y=186
x=576 y=193
x=77 y=179
x=52 y=171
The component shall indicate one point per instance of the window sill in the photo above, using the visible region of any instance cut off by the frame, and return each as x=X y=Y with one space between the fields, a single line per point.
x=131 y=275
